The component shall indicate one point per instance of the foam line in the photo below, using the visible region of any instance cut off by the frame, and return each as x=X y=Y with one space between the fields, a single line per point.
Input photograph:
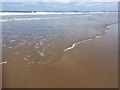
x=97 y=36
x=47 y=13
x=25 y=19
x=76 y=44
x=3 y=62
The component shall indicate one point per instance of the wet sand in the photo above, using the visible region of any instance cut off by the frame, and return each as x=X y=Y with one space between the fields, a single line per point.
x=91 y=64
x=94 y=63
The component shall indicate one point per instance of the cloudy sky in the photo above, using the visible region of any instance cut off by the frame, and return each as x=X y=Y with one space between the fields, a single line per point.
x=59 y=6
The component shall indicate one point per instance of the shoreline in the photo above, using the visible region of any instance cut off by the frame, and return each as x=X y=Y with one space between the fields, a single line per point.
x=45 y=13
x=91 y=38
x=95 y=61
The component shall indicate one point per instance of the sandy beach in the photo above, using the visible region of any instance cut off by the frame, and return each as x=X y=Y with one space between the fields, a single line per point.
x=90 y=64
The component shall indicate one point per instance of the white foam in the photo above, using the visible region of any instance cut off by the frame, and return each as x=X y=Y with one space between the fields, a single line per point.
x=36 y=13
x=48 y=44
x=16 y=52
x=36 y=46
x=75 y=45
x=79 y=43
x=89 y=39
x=10 y=47
x=41 y=43
x=107 y=27
x=97 y=36
x=43 y=13
x=41 y=53
x=25 y=58
x=71 y=47
x=3 y=63
x=26 y=19
x=28 y=13
x=13 y=40
x=44 y=40
x=39 y=62
x=46 y=13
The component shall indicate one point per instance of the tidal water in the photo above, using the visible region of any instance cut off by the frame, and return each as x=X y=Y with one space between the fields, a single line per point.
x=43 y=39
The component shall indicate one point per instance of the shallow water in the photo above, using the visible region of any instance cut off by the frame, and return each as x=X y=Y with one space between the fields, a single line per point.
x=42 y=39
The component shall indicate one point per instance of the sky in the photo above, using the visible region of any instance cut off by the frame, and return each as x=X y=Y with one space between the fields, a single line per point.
x=59 y=6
